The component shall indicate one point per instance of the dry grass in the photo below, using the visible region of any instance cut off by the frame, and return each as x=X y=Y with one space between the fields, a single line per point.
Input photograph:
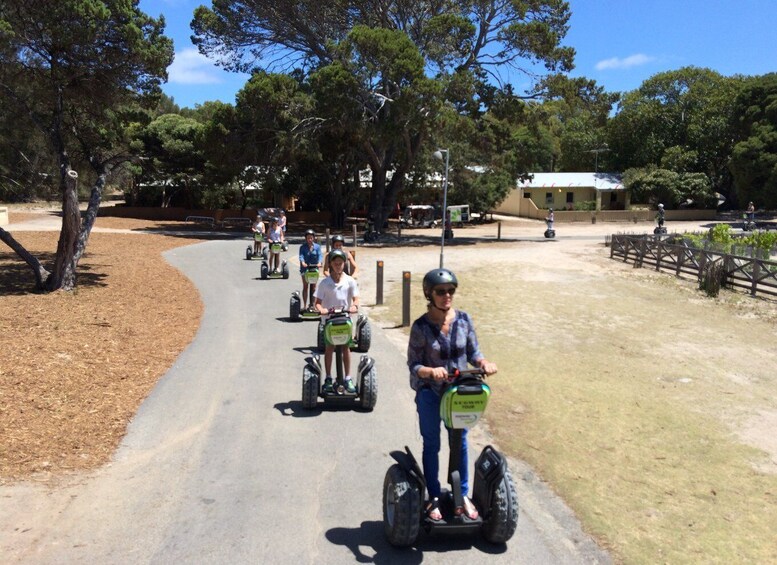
x=74 y=367
x=630 y=395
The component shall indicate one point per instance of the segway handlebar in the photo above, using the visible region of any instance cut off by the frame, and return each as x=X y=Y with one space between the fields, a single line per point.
x=341 y=311
x=456 y=373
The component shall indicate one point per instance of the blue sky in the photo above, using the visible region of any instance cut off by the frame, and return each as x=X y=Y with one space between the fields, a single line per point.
x=619 y=43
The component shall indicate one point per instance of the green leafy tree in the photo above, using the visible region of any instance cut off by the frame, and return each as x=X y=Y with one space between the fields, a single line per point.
x=389 y=49
x=754 y=158
x=85 y=62
x=680 y=120
x=172 y=144
x=652 y=185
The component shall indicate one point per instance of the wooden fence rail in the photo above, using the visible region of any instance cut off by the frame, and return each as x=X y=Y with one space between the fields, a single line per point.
x=757 y=276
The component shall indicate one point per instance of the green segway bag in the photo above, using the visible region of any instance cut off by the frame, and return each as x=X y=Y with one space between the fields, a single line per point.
x=311 y=276
x=463 y=403
x=338 y=331
x=276 y=247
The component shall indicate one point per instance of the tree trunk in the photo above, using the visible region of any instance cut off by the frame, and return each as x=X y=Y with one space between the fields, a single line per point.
x=91 y=214
x=63 y=276
x=41 y=274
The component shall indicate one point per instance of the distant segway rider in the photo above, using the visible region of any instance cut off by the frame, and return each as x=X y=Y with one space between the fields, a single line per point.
x=751 y=212
x=660 y=215
x=282 y=222
x=441 y=340
x=309 y=255
x=550 y=219
x=275 y=235
x=259 y=233
x=338 y=242
x=336 y=291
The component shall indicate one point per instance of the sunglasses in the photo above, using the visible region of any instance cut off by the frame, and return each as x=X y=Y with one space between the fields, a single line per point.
x=444 y=291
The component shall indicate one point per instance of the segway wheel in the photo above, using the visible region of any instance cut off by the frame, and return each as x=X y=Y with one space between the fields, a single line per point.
x=249 y=253
x=285 y=270
x=311 y=384
x=368 y=390
x=266 y=252
x=503 y=513
x=264 y=271
x=364 y=337
x=320 y=343
x=294 y=308
x=402 y=500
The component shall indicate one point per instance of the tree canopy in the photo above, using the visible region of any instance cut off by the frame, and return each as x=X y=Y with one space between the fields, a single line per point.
x=398 y=63
x=81 y=65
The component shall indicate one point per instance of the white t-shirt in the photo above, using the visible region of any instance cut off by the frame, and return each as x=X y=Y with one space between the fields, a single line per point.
x=338 y=295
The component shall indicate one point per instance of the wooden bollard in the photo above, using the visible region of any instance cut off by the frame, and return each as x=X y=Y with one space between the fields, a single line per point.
x=379 y=283
x=405 y=298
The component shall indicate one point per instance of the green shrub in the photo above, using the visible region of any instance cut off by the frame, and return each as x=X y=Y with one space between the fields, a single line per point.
x=585 y=206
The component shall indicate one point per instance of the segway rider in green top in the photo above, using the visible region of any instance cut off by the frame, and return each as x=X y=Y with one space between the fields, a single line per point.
x=337 y=291
x=309 y=255
x=441 y=340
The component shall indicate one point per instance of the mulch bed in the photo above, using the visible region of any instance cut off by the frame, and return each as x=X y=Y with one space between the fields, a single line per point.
x=75 y=366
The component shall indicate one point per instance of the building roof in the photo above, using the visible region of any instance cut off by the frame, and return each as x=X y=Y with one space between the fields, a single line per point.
x=599 y=181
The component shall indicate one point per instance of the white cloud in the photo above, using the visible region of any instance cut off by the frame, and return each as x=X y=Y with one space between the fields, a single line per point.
x=191 y=67
x=625 y=63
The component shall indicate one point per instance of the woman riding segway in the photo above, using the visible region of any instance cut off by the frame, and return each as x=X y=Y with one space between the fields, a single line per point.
x=338 y=242
x=309 y=257
x=441 y=341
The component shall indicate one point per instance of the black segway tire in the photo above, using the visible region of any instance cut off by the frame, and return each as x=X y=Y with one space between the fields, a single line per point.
x=264 y=271
x=311 y=384
x=503 y=514
x=364 y=337
x=402 y=500
x=368 y=390
x=266 y=252
x=294 y=308
x=249 y=253
x=320 y=342
x=285 y=270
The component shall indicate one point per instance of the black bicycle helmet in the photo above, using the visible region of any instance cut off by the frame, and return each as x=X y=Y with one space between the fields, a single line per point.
x=337 y=254
x=437 y=277
x=338 y=237
x=310 y=232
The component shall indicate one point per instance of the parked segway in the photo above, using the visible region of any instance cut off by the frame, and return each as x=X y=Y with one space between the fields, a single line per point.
x=295 y=303
x=338 y=331
x=362 y=338
x=283 y=272
x=463 y=402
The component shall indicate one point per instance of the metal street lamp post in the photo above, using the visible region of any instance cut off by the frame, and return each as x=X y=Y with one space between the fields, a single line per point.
x=438 y=155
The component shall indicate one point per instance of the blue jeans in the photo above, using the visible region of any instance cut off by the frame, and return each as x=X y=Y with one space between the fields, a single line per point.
x=428 y=405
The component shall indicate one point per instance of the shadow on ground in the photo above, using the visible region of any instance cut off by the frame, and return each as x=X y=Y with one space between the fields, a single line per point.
x=17 y=277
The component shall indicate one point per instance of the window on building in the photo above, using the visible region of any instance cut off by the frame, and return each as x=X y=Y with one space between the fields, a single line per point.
x=613 y=197
x=549 y=198
x=570 y=197
x=526 y=194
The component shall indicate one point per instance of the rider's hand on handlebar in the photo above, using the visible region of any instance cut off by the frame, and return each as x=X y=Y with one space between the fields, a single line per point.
x=331 y=311
x=488 y=367
x=439 y=374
